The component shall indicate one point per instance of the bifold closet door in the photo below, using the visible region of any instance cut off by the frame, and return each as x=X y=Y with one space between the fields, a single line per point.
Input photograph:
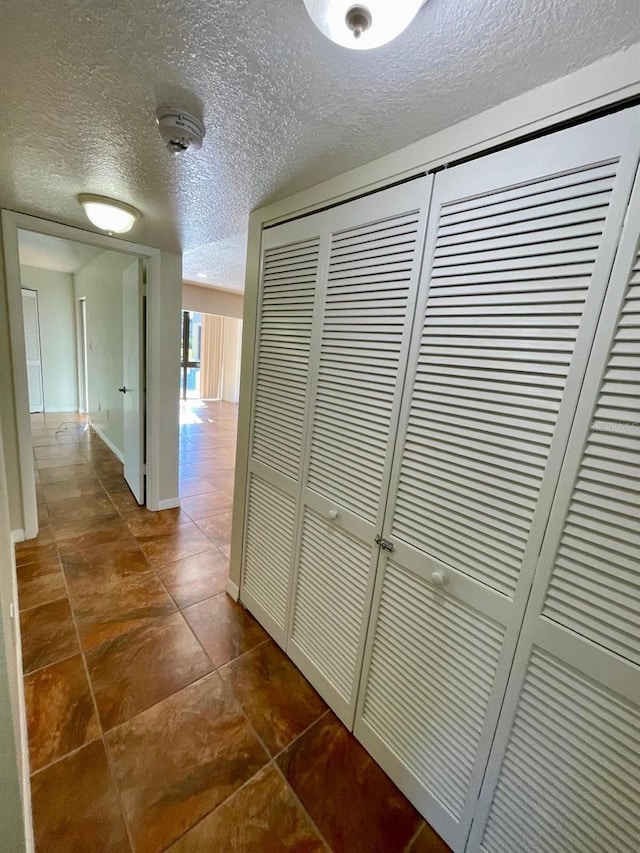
x=369 y=289
x=288 y=291
x=564 y=774
x=519 y=251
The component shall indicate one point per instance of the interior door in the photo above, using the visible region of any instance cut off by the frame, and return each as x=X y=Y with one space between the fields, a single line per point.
x=568 y=743
x=291 y=261
x=368 y=292
x=519 y=252
x=32 y=349
x=133 y=386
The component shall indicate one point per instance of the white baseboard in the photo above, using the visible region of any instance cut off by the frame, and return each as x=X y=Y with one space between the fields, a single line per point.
x=18 y=536
x=71 y=409
x=169 y=503
x=232 y=590
x=117 y=453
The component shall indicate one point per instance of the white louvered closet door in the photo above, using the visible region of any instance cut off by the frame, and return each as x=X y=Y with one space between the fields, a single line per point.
x=288 y=290
x=369 y=291
x=518 y=253
x=564 y=774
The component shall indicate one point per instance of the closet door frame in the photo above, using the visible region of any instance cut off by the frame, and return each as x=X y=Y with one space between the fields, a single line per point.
x=462 y=182
x=598 y=663
x=353 y=214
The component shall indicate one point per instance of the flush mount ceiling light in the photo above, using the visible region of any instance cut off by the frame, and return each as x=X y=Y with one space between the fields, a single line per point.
x=110 y=215
x=362 y=26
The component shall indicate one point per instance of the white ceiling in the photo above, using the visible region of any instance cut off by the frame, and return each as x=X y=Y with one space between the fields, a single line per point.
x=284 y=107
x=54 y=253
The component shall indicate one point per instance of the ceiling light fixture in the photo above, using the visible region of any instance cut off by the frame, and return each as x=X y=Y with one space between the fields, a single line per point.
x=108 y=214
x=365 y=25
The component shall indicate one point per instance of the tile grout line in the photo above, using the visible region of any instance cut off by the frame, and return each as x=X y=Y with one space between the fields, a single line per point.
x=272 y=758
x=270 y=762
x=414 y=837
x=95 y=707
x=99 y=719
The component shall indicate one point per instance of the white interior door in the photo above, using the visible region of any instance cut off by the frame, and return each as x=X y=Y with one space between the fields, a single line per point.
x=133 y=385
x=564 y=772
x=32 y=349
x=519 y=253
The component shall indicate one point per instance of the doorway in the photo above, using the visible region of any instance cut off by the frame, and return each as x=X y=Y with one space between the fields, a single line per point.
x=160 y=429
x=91 y=333
x=33 y=351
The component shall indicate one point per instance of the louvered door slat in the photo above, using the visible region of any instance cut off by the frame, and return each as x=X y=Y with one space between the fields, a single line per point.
x=574 y=753
x=326 y=627
x=596 y=605
x=271 y=516
x=378 y=323
x=569 y=738
x=542 y=345
x=288 y=294
x=368 y=299
x=518 y=264
x=290 y=268
x=423 y=643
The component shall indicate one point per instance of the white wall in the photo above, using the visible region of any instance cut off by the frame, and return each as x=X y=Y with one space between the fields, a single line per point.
x=13 y=772
x=56 y=313
x=100 y=282
x=208 y=300
x=8 y=418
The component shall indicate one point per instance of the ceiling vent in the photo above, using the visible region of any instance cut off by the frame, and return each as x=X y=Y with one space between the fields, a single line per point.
x=179 y=130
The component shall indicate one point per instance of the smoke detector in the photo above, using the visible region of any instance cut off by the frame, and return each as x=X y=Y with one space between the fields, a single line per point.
x=179 y=130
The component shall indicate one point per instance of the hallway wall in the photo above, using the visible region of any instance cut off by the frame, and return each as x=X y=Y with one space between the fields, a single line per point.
x=209 y=300
x=11 y=769
x=56 y=312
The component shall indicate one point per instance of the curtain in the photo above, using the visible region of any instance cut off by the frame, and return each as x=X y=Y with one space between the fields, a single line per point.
x=211 y=357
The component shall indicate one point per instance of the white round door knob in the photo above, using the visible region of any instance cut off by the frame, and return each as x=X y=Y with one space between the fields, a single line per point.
x=332 y=514
x=437 y=578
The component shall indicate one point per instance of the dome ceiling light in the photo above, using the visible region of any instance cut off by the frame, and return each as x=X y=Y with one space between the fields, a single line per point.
x=108 y=214
x=365 y=25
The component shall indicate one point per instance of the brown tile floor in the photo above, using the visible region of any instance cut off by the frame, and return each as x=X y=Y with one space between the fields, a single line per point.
x=160 y=715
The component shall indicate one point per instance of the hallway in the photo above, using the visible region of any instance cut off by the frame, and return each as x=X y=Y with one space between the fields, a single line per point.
x=160 y=714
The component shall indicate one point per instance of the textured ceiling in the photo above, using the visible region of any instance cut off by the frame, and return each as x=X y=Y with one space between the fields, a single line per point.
x=54 y=253
x=284 y=107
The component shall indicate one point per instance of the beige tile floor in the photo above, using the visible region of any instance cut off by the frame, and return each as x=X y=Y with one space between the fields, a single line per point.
x=160 y=714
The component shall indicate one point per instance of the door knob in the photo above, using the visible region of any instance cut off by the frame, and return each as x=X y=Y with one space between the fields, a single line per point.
x=332 y=514
x=123 y=390
x=438 y=579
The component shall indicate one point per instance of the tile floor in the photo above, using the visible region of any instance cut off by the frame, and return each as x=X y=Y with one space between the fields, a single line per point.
x=160 y=714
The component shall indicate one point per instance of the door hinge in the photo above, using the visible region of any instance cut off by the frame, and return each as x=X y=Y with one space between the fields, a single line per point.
x=385 y=544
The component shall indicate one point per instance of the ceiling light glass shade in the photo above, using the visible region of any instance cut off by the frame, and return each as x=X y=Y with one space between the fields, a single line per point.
x=108 y=214
x=383 y=20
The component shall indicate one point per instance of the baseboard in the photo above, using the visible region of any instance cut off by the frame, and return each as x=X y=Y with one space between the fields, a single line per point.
x=70 y=409
x=117 y=453
x=232 y=590
x=18 y=536
x=169 y=503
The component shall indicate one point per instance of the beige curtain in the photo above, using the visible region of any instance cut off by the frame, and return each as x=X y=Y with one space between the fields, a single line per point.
x=211 y=357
